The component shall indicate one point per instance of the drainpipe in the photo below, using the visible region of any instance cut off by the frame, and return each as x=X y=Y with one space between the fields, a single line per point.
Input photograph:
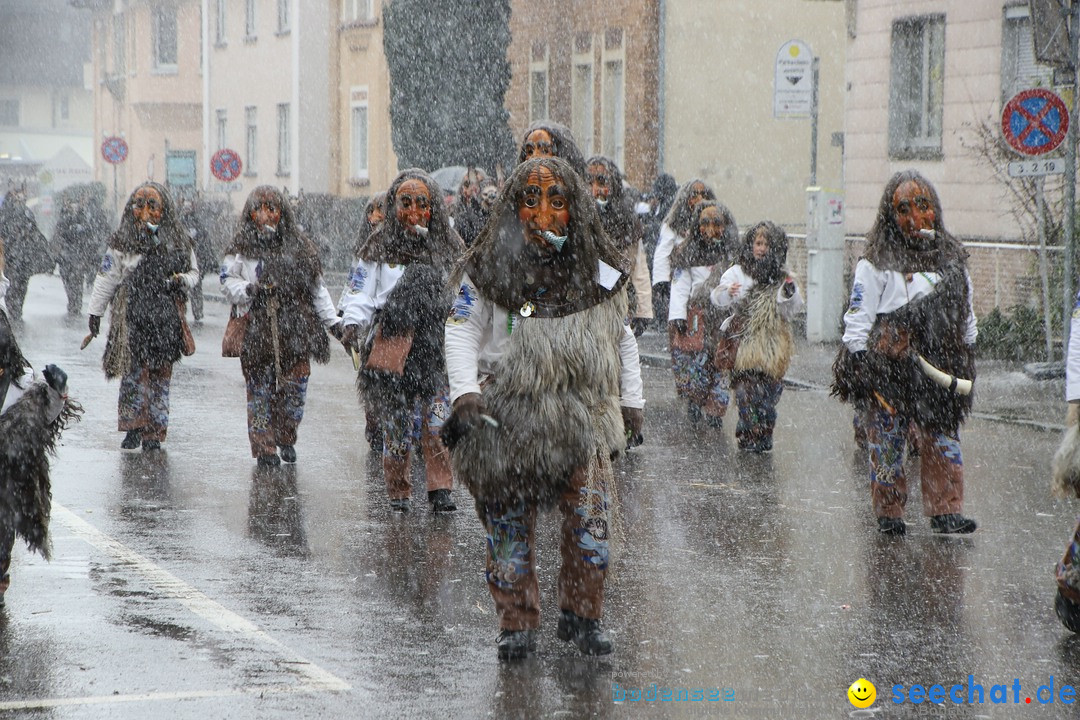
x=661 y=66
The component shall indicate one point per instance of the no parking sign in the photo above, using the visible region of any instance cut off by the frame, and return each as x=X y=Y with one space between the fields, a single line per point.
x=1034 y=122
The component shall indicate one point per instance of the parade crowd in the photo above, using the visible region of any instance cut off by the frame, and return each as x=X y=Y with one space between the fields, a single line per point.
x=496 y=341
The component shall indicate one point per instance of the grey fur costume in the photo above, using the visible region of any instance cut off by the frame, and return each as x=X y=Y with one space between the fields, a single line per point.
x=28 y=434
x=555 y=396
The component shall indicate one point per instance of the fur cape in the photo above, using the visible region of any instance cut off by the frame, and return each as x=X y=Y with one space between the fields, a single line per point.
x=934 y=327
x=28 y=434
x=418 y=305
x=555 y=397
x=766 y=345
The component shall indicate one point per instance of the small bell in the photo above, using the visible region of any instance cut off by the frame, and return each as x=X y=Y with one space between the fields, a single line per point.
x=527 y=309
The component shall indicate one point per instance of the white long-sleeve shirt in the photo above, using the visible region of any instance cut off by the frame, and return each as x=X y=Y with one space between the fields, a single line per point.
x=4 y=284
x=877 y=292
x=1072 y=361
x=683 y=284
x=721 y=295
x=238 y=272
x=478 y=333
x=366 y=290
x=115 y=268
x=665 y=243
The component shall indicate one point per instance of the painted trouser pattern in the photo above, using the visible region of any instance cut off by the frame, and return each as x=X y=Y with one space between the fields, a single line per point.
x=7 y=544
x=402 y=429
x=756 y=395
x=941 y=470
x=1068 y=570
x=143 y=404
x=511 y=573
x=274 y=410
x=697 y=381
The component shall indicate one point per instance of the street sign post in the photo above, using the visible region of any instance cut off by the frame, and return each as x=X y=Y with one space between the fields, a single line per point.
x=1034 y=122
x=225 y=165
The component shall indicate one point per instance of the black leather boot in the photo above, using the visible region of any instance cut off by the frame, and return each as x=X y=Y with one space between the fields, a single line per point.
x=585 y=633
x=515 y=644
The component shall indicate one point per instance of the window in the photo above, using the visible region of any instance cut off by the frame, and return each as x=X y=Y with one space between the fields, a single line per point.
x=1019 y=70
x=357 y=10
x=250 y=141
x=358 y=104
x=917 y=87
x=119 y=44
x=614 y=111
x=9 y=111
x=284 y=141
x=165 y=38
x=222 y=128
x=65 y=107
x=249 y=20
x=283 y=16
x=538 y=83
x=581 y=112
x=220 y=38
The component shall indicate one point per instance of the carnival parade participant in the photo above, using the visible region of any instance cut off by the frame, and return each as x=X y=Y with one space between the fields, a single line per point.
x=1066 y=481
x=547 y=138
x=698 y=266
x=81 y=228
x=673 y=232
x=272 y=275
x=26 y=252
x=623 y=226
x=910 y=306
x=394 y=307
x=765 y=298
x=147 y=272
x=546 y=385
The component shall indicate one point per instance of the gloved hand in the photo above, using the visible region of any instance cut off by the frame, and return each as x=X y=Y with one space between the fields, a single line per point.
x=176 y=283
x=255 y=290
x=662 y=288
x=788 y=288
x=1072 y=417
x=633 y=420
x=678 y=326
x=350 y=334
x=639 y=325
x=466 y=415
x=336 y=331
x=94 y=324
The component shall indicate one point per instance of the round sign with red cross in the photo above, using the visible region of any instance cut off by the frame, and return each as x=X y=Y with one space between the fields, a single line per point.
x=225 y=165
x=1035 y=121
x=114 y=150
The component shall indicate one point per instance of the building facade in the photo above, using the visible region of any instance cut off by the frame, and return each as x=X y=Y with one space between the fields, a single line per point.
x=592 y=66
x=363 y=161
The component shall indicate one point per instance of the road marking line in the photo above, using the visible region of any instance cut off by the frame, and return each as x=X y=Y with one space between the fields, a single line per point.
x=313 y=677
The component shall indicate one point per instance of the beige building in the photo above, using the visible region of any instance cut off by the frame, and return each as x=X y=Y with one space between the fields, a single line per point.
x=147 y=77
x=266 y=94
x=592 y=66
x=718 y=110
x=923 y=76
x=363 y=160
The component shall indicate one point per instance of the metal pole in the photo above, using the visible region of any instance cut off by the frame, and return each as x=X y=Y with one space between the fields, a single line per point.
x=814 y=124
x=115 y=194
x=1070 y=180
x=1044 y=272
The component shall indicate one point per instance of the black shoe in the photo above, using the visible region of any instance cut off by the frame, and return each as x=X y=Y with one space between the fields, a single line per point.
x=952 y=523
x=714 y=421
x=269 y=460
x=585 y=633
x=150 y=445
x=1067 y=611
x=891 y=526
x=515 y=644
x=400 y=505
x=441 y=501
x=131 y=441
x=288 y=454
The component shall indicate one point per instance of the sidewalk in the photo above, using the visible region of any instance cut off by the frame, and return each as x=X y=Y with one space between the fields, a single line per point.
x=1002 y=391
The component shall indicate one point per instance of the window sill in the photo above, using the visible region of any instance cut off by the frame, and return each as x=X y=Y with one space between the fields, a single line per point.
x=285 y=32
x=165 y=70
x=221 y=44
x=250 y=39
x=917 y=154
x=251 y=173
x=367 y=23
x=359 y=182
x=283 y=173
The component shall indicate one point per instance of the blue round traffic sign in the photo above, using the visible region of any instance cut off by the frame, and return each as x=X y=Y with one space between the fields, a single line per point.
x=1035 y=121
x=114 y=150
x=225 y=165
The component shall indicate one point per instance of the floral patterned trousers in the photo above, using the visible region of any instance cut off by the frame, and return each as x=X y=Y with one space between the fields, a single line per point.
x=274 y=410
x=143 y=404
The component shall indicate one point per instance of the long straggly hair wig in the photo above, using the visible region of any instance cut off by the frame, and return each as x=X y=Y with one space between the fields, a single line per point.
x=288 y=237
x=497 y=262
x=562 y=139
x=698 y=250
x=770 y=269
x=681 y=216
x=129 y=237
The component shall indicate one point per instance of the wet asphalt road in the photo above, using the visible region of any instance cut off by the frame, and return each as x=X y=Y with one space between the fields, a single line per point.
x=187 y=584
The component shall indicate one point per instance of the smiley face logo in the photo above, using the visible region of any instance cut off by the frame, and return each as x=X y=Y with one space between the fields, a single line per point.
x=862 y=693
